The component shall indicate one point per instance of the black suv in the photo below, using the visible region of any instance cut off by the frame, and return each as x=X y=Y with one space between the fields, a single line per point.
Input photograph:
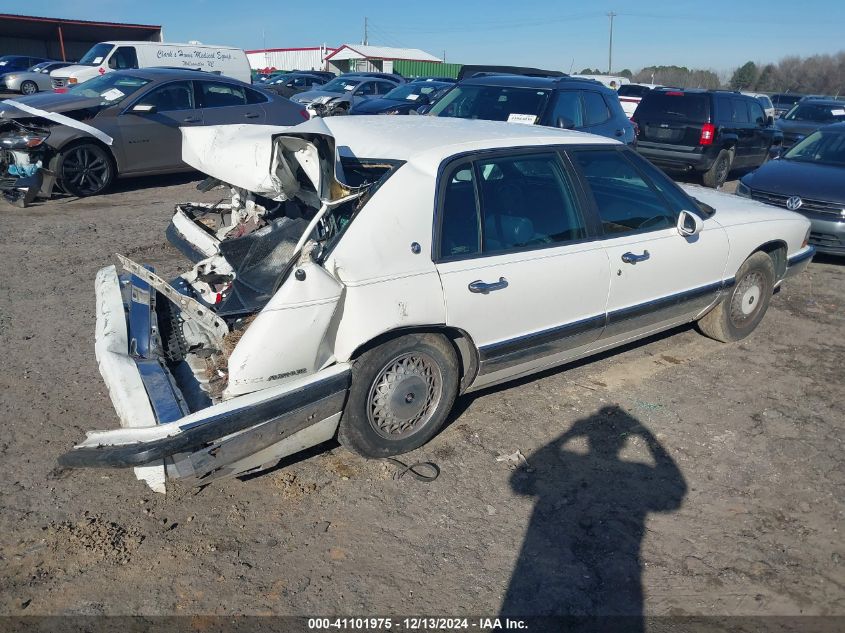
x=564 y=102
x=706 y=131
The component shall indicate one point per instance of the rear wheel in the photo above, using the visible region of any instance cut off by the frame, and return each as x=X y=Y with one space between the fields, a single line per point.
x=29 y=87
x=401 y=393
x=739 y=313
x=717 y=174
x=85 y=169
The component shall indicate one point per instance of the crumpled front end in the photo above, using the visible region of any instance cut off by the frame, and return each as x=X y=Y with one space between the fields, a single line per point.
x=23 y=159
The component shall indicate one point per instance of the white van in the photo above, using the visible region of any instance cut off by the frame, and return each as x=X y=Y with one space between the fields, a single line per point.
x=107 y=56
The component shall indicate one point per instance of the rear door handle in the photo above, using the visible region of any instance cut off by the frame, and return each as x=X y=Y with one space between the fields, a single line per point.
x=191 y=119
x=620 y=132
x=485 y=288
x=251 y=115
x=632 y=258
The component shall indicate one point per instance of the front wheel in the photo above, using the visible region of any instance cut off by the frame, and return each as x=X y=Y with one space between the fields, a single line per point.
x=85 y=170
x=741 y=311
x=29 y=88
x=401 y=393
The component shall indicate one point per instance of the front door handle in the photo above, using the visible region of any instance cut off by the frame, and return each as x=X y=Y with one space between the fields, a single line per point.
x=191 y=119
x=251 y=115
x=632 y=258
x=485 y=288
x=620 y=132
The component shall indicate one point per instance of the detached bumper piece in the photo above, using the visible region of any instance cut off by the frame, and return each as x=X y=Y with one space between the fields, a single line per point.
x=21 y=189
x=159 y=434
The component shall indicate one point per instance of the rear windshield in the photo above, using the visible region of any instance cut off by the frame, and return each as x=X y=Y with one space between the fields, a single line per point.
x=786 y=100
x=816 y=112
x=675 y=106
x=633 y=90
x=493 y=103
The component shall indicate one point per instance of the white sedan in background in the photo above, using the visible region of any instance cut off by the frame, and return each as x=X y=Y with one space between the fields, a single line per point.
x=374 y=268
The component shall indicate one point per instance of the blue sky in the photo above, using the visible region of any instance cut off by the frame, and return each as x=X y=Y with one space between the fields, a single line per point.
x=718 y=34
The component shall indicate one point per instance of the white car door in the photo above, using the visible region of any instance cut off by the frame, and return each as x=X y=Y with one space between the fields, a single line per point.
x=519 y=271
x=658 y=278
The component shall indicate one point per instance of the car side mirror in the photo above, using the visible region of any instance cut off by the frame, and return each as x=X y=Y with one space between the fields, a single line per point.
x=566 y=124
x=143 y=108
x=689 y=224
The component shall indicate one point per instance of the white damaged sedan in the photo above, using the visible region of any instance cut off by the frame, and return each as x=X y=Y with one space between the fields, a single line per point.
x=408 y=260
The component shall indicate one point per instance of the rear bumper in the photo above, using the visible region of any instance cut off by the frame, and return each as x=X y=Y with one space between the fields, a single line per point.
x=676 y=157
x=161 y=437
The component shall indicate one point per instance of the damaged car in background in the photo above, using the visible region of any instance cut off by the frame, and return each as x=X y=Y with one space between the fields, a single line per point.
x=408 y=260
x=343 y=93
x=125 y=123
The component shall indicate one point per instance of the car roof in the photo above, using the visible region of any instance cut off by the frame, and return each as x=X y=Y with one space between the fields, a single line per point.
x=526 y=81
x=430 y=140
x=153 y=73
x=824 y=101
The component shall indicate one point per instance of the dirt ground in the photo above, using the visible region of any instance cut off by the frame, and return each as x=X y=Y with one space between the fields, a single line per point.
x=677 y=476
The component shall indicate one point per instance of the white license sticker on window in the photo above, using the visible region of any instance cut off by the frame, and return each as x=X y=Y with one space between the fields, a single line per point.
x=97 y=60
x=3 y=63
x=347 y=88
x=111 y=95
x=525 y=119
x=412 y=97
x=838 y=112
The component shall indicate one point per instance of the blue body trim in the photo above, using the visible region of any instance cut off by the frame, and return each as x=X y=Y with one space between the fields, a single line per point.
x=182 y=245
x=168 y=405
x=797 y=259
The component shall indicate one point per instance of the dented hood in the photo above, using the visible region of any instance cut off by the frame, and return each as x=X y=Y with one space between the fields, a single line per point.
x=279 y=163
x=50 y=102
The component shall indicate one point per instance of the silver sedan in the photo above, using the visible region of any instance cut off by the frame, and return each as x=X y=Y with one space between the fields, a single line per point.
x=32 y=80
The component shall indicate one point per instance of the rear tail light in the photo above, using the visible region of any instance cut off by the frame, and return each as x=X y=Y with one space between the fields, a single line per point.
x=304 y=114
x=675 y=93
x=708 y=131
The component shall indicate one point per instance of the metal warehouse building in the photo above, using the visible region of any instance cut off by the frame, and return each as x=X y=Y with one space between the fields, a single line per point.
x=342 y=59
x=55 y=38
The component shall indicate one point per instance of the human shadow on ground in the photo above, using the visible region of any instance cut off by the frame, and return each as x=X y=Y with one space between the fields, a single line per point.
x=581 y=553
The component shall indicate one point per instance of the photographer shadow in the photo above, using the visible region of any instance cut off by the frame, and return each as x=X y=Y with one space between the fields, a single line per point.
x=581 y=553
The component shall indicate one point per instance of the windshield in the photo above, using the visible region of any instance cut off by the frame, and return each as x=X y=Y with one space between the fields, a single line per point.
x=40 y=68
x=110 y=88
x=816 y=112
x=412 y=92
x=342 y=84
x=764 y=101
x=821 y=146
x=492 y=103
x=96 y=54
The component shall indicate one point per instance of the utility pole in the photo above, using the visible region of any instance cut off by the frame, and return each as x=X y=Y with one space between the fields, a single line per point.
x=611 y=15
x=366 y=38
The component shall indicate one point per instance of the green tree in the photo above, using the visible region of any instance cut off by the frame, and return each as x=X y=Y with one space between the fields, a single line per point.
x=626 y=73
x=744 y=76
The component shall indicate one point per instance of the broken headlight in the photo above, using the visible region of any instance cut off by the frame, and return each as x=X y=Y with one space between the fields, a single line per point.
x=23 y=141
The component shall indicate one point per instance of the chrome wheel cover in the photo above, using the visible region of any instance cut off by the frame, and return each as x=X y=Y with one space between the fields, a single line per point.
x=404 y=395
x=746 y=298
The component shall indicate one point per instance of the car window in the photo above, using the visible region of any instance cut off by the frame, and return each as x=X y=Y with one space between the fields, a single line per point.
x=626 y=203
x=526 y=201
x=253 y=96
x=822 y=146
x=818 y=113
x=178 y=95
x=673 y=195
x=460 y=233
x=755 y=113
x=124 y=58
x=567 y=110
x=595 y=108
x=674 y=105
x=367 y=88
x=383 y=87
x=739 y=111
x=217 y=95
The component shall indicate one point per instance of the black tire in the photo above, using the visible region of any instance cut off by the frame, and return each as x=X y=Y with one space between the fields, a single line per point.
x=85 y=169
x=29 y=88
x=402 y=392
x=717 y=174
x=740 y=312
